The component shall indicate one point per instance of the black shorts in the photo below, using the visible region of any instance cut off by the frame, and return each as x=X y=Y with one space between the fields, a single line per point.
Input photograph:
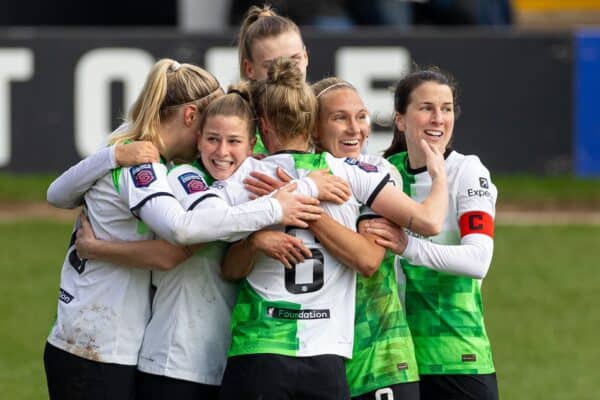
x=277 y=377
x=400 y=391
x=158 y=387
x=71 y=377
x=459 y=387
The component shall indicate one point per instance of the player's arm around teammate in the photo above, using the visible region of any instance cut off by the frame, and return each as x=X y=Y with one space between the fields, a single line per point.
x=157 y=255
x=68 y=189
x=95 y=341
x=383 y=362
x=264 y=35
x=173 y=360
x=364 y=256
x=455 y=359
x=272 y=300
x=343 y=124
x=118 y=308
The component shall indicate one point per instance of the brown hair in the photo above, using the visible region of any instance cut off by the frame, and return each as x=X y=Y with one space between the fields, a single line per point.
x=259 y=23
x=285 y=100
x=235 y=103
x=168 y=86
x=402 y=99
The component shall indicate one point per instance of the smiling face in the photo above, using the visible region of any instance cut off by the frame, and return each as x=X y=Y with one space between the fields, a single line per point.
x=343 y=123
x=224 y=144
x=429 y=116
x=264 y=50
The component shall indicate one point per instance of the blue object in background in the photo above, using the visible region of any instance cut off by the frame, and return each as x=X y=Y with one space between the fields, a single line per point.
x=587 y=104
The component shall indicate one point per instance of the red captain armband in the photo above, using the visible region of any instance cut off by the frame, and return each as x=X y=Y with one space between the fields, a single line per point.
x=476 y=222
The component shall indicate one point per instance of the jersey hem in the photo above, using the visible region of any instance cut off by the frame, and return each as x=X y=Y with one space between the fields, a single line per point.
x=481 y=371
x=380 y=385
x=106 y=359
x=179 y=374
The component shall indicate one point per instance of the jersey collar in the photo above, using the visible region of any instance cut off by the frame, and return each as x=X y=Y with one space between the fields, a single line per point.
x=416 y=171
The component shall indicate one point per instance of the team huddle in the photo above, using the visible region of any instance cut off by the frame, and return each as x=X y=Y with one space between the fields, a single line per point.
x=241 y=245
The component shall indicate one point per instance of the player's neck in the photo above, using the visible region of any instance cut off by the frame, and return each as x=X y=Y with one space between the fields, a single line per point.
x=296 y=144
x=416 y=161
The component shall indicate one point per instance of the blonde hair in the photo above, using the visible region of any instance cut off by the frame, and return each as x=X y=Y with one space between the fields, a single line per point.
x=259 y=23
x=235 y=103
x=327 y=85
x=168 y=86
x=332 y=83
x=285 y=100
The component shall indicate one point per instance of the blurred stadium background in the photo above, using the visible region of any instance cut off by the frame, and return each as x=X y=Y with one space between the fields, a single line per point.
x=529 y=73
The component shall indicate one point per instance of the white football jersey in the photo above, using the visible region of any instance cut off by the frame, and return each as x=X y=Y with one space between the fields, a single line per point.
x=444 y=310
x=307 y=310
x=103 y=308
x=469 y=188
x=384 y=166
x=189 y=334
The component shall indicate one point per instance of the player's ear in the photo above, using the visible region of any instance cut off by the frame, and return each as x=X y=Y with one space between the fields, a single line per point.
x=190 y=114
x=306 y=56
x=315 y=138
x=252 y=143
x=399 y=121
x=248 y=68
x=263 y=126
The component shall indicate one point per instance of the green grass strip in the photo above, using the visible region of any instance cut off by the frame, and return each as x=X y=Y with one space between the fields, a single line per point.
x=24 y=187
x=527 y=190
x=547 y=190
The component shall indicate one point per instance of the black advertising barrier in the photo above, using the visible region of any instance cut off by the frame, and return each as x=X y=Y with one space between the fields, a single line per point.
x=61 y=91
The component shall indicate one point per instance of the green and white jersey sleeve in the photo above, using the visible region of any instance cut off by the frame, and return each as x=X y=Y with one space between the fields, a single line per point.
x=383 y=353
x=188 y=335
x=444 y=311
x=307 y=310
x=103 y=308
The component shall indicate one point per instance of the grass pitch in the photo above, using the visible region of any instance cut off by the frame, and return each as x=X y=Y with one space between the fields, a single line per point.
x=32 y=254
x=540 y=300
x=526 y=190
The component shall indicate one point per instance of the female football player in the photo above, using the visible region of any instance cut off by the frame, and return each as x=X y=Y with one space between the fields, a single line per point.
x=279 y=346
x=443 y=273
x=103 y=308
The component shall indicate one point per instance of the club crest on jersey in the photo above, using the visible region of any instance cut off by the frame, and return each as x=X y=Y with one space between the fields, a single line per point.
x=362 y=165
x=143 y=175
x=192 y=182
x=483 y=182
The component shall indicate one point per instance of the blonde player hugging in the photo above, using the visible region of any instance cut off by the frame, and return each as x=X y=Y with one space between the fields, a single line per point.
x=104 y=307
